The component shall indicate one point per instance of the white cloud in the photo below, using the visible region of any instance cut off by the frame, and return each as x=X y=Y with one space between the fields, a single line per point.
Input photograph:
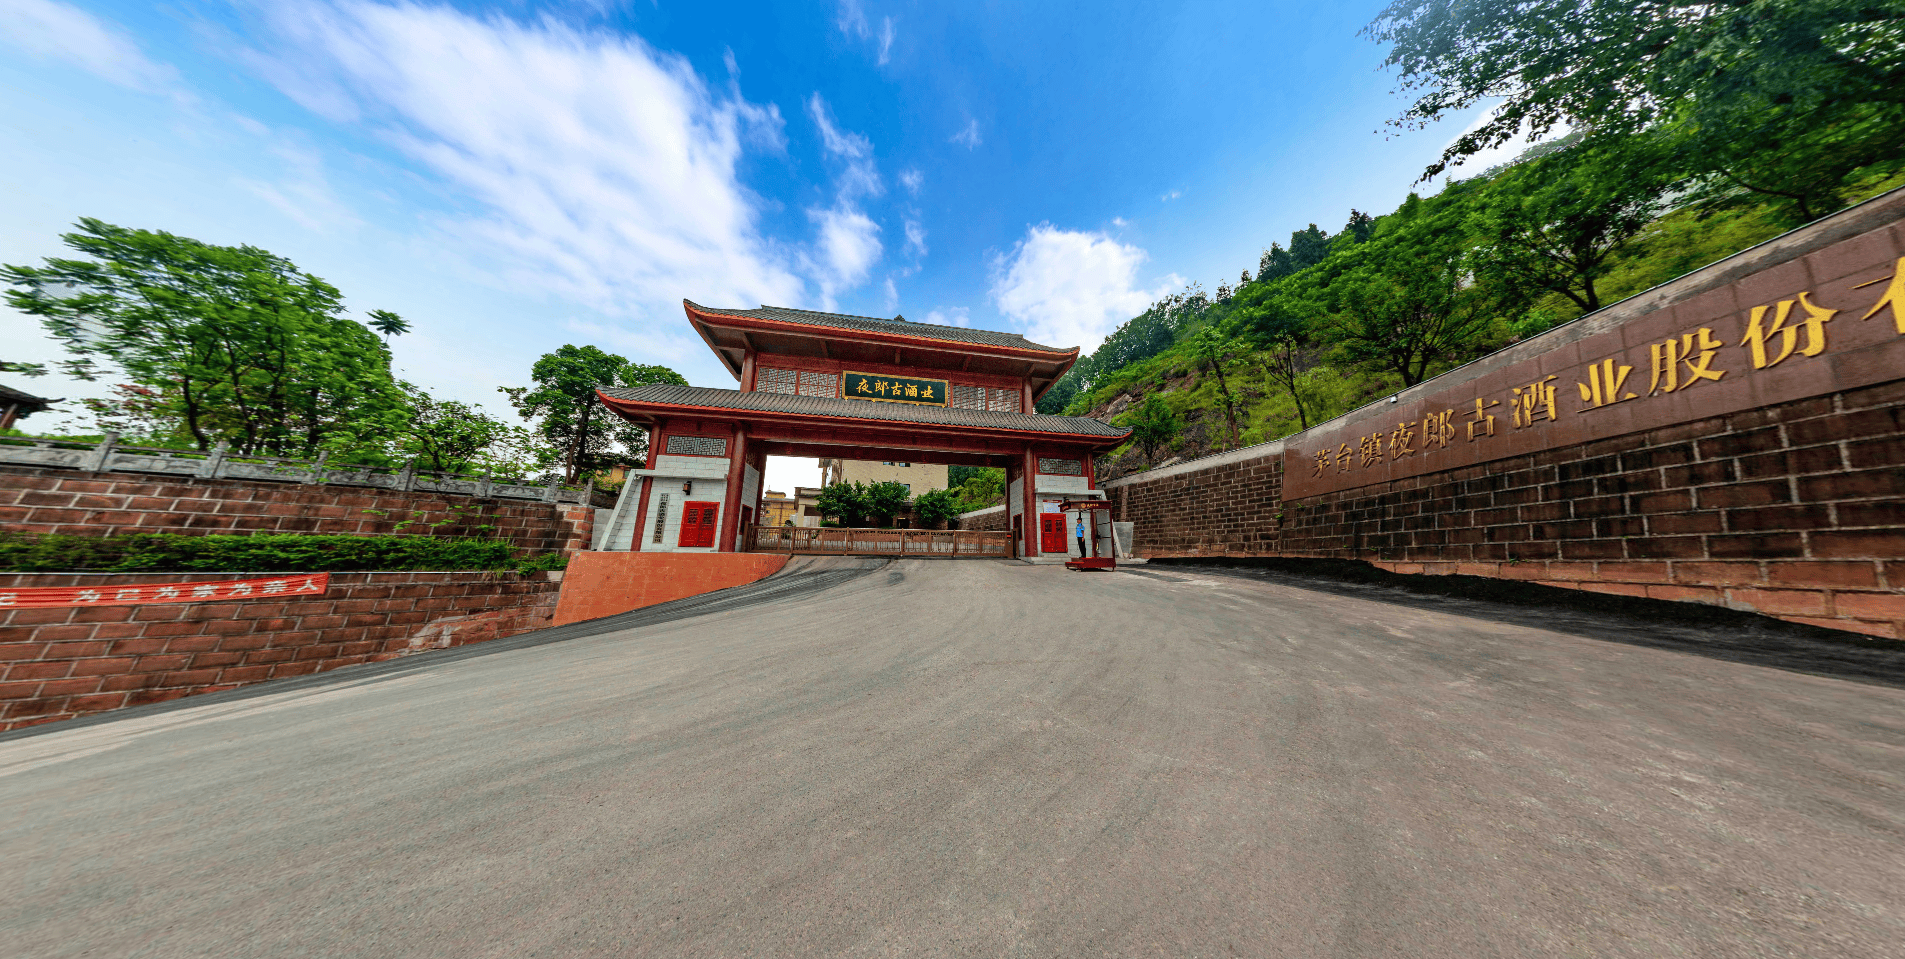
x=304 y=193
x=845 y=252
x=848 y=244
x=853 y=22
x=915 y=238
x=912 y=179
x=1120 y=222
x=851 y=145
x=55 y=31
x=1168 y=197
x=601 y=170
x=1072 y=288
x=892 y=296
x=968 y=137
x=861 y=177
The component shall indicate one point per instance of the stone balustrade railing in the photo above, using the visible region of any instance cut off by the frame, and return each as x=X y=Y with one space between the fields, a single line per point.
x=108 y=455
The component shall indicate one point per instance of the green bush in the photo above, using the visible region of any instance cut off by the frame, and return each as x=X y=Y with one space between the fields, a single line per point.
x=264 y=553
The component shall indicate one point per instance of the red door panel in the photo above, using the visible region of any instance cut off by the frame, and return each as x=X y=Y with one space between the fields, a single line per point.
x=1051 y=532
x=697 y=524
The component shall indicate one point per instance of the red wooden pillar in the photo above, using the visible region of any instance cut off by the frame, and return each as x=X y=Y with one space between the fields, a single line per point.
x=642 y=485
x=1028 y=467
x=731 y=503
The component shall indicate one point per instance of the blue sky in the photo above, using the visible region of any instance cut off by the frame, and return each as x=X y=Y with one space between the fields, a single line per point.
x=514 y=176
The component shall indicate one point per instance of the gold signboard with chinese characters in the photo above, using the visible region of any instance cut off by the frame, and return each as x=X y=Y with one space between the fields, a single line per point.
x=1778 y=335
x=882 y=388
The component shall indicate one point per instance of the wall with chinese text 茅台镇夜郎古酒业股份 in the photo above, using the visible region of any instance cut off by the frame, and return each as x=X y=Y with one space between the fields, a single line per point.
x=1732 y=437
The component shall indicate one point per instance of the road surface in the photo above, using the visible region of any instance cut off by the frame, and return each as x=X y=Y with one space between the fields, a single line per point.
x=989 y=759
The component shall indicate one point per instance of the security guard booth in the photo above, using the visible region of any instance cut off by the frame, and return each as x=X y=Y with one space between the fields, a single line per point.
x=1091 y=543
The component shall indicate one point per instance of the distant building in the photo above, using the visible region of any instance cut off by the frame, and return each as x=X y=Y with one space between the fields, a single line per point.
x=777 y=509
x=807 y=506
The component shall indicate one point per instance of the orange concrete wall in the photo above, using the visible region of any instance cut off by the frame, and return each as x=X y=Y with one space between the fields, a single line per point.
x=598 y=584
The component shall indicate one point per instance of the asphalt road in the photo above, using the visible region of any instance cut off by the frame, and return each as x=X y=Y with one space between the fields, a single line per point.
x=990 y=759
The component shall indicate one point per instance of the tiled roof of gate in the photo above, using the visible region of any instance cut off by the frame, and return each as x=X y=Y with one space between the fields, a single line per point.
x=875 y=324
x=716 y=399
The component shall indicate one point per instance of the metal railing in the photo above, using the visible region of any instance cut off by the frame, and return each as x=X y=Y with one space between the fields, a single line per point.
x=854 y=541
x=109 y=455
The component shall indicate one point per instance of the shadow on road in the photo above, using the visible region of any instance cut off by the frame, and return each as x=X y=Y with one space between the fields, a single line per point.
x=1701 y=630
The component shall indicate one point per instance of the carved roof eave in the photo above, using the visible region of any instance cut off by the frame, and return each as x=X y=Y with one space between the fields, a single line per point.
x=647 y=411
x=702 y=317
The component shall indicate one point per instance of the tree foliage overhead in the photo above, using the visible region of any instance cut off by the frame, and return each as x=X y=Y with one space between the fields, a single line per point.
x=586 y=437
x=230 y=344
x=1779 y=97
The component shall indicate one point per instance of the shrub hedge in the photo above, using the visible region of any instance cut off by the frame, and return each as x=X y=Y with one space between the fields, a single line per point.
x=262 y=553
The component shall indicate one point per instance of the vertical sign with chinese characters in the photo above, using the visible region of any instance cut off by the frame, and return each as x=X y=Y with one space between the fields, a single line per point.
x=1714 y=352
x=882 y=388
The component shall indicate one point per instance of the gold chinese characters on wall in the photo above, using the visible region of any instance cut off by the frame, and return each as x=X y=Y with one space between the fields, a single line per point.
x=1763 y=353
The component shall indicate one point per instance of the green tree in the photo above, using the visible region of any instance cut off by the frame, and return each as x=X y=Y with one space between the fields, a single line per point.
x=1780 y=97
x=1152 y=425
x=1555 y=224
x=1410 y=302
x=388 y=323
x=1212 y=350
x=446 y=435
x=884 y=500
x=843 y=501
x=983 y=487
x=234 y=343
x=936 y=506
x=573 y=421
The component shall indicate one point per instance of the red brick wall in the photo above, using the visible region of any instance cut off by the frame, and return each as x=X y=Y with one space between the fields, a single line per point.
x=61 y=663
x=1795 y=510
x=1228 y=509
x=49 y=500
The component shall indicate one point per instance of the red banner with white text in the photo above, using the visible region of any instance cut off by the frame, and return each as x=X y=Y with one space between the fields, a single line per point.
x=299 y=584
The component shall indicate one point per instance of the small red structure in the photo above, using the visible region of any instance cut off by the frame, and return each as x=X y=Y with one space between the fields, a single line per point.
x=1093 y=544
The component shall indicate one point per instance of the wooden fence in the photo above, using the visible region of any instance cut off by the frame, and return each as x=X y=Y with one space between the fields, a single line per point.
x=849 y=541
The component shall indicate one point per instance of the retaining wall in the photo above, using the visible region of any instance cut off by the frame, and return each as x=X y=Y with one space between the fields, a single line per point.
x=62 y=663
x=1777 y=487
x=992 y=518
x=601 y=584
x=56 y=500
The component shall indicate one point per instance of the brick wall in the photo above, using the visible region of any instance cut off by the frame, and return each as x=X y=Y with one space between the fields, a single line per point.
x=51 y=500
x=1224 y=505
x=61 y=663
x=1795 y=510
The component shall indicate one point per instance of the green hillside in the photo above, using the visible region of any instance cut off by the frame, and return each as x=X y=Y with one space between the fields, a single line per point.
x=1696 y=134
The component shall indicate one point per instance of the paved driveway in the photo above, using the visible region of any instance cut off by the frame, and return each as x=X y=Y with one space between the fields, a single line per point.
x=989 y=759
